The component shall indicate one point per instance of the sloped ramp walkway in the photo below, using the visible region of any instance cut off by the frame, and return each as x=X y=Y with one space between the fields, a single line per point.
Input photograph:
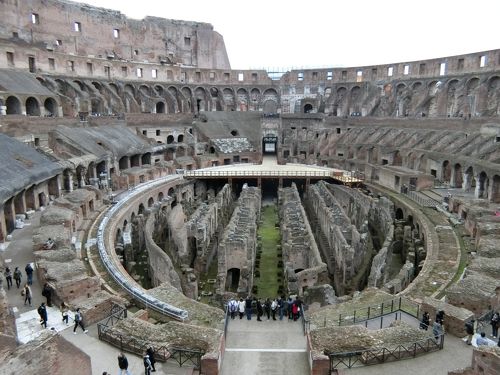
x=268 y=347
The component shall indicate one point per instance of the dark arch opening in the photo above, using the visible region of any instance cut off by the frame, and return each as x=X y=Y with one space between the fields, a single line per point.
x=32 y=107
x=13 y=105
x=399 y=214
x=50 y=106
x=233 y=279
x=180 y=138
x=308 y=108
x=160 y=107
x=170 y=139
x=234 y=133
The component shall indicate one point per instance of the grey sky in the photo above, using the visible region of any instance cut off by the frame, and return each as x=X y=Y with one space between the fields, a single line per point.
x=316 y=33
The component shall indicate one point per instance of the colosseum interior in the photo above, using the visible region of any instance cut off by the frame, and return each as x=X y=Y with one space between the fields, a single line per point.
x=170 y=184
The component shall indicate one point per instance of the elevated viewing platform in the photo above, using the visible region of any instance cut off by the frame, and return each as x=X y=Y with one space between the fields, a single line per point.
x=270 y=170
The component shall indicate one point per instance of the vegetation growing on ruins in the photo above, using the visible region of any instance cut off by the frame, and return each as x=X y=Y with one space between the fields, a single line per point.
x=267 y=283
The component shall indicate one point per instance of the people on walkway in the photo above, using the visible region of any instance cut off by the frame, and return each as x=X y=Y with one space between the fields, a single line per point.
x=8 y=277
x=274 y=308
x=79 y=321
x=281 y=306
x=47 y=293
x=290 y=308
x=26 y=292
x=147 y=365
x=233 y=308
x=437 y=329
x=65 y=313
x=469 y=329
x=29 y=273
x=123 y=364
x=18 y=275
x=42 y=311
x=248 y=307
x=152 y=358
x=424 y=324
x=267 y=308
x=241 y=308
x=260 y=310
x=495 y=322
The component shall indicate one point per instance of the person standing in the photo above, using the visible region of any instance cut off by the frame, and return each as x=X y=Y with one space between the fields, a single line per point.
x=42 y=311
x=152 y=358
x=437 y=329
x=469 y=329
x=260 y=310
x=123 y=364
x=26 y=292
x=29 y=273
x=18 y=276
x=290 y=308
x=267 y=308
x=8 y=277
x=232 y=307
x=274 y=307
x=248 y=307
x=147 y=365
x=47 y=293
x=79 y=322
x=241 y=308
x=65 y=313
x=424 y=324
x=281 y=306
x=495 y=322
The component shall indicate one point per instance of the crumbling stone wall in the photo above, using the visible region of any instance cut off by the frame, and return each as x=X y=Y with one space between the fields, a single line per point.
x=237 y=247
x=485 y=361
x=50 y=353
x=455 y=317
x=304 y=267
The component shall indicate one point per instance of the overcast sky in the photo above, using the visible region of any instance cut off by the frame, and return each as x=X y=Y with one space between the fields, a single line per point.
x=330 y=33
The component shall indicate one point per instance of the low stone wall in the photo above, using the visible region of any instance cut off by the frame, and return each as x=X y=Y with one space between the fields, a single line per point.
x=485 y=361
x=455 y=317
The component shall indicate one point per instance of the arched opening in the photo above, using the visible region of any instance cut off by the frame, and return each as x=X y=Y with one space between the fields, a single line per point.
x=495 y=189
x=141 y=209
x=42 y=199
x=469 y=181
x=397 y=159
x=32 y=107
x=399 y=214
x=457 y=176
x=308 y=108
x=170 y=139
x=146 y=158
x=180 y=138
x=123 y=163
x=446 y=173
x=232 y=279
x=151 y=201
x=483 y=185
x=135 y=161
x=234 y=133
x=160 y=107
x=160 y=196
x=50 y=106
x=13 y=106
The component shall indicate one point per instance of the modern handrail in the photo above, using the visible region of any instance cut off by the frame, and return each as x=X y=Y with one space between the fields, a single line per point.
x=125 y=282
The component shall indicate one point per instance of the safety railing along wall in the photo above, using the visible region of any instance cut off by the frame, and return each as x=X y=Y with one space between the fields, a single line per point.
x=133 y=345
x=374 y=356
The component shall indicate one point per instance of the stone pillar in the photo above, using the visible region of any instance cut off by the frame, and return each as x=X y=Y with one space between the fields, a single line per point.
x=477 y=190
x=3 y=110
x=82 y=178
x=467 y=183
x=452 y=178
x=70 y=181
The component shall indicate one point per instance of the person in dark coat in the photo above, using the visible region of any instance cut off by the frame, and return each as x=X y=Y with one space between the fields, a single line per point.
x=152 y=359
x=123 y=364
x=260 y=310
x=42 y=311
x=47 y=293
x=29 y=273
x=424 y=324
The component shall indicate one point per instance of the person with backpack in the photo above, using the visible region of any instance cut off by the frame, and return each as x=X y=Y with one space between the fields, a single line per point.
x=79 y=322
x=274 y=307
x=17 y=276
x=8 y=277
x=29 y=273
x=233 y=307
x=123 y=364
x=147 y=365
x=47 y=293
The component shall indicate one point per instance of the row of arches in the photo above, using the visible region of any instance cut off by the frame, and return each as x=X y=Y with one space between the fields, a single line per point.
x=31 y=106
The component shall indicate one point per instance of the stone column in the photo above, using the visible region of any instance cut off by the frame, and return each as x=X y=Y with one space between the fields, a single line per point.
x=477 y=192
x=70 y=181
x=452 y=178
x=467 y=183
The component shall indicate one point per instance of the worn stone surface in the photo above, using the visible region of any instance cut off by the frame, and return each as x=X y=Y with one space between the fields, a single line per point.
x=474 y=292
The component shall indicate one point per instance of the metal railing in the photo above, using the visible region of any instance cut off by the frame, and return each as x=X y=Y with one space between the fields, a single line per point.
x=380 y=355
x=133 y=345
x=125 y=281
x=366 y=313
x=277 y=173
